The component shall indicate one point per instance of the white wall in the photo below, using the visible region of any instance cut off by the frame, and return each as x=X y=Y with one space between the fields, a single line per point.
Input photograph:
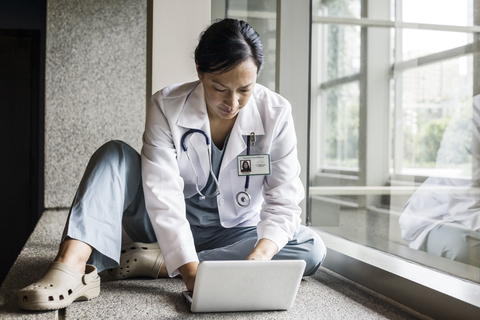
x=177 y=25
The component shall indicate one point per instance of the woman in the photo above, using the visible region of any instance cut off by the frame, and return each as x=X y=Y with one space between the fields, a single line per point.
x=245 y=166
x=182 y=201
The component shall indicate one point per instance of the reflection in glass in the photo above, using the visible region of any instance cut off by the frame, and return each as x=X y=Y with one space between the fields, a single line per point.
x=443 y=215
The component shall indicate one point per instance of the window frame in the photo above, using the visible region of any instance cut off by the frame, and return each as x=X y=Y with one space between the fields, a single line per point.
x=396 y=70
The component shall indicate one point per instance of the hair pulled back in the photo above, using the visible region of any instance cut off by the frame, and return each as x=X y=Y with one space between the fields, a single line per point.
x=226 y=44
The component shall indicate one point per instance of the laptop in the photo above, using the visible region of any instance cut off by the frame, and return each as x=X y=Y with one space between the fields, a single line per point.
x=245 y=285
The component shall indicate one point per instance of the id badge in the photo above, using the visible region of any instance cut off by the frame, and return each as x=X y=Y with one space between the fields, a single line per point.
x=252 y=165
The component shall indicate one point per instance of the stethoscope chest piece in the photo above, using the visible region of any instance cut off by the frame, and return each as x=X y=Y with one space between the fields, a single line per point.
x=243 y=199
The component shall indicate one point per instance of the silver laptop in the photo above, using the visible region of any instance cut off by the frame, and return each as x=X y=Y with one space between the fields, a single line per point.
x=224 y=286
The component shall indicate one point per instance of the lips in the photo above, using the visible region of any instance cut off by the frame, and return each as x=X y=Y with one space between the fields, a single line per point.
x=228 y=111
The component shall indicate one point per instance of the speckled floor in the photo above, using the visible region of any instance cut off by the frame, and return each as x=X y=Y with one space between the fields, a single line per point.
x=322 y=296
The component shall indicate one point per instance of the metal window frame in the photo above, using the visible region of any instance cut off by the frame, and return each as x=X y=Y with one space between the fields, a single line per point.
x=397 y=68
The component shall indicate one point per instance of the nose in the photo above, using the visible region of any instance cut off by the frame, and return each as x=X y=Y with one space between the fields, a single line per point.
x=231 y=100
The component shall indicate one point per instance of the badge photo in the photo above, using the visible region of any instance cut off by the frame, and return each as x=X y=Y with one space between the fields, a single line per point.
x=252 y=165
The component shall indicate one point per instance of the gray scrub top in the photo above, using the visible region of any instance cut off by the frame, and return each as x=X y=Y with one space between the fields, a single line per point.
x=204 y=213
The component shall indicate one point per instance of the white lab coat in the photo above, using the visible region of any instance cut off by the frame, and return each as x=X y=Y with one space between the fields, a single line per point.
x=168 y=177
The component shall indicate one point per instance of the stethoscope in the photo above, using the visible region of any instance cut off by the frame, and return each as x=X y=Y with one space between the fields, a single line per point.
x=242 y=198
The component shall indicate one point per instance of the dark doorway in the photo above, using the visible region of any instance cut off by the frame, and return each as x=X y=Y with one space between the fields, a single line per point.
x=21 y=163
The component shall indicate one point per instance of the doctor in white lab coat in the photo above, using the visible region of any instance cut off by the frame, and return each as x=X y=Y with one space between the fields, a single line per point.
x=159 y=214
x=274 y=198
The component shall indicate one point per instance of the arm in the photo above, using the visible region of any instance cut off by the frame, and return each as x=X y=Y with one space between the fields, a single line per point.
x=163 y=188
x=282 y=189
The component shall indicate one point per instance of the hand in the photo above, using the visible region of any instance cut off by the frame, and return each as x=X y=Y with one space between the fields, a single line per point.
x=264 y=250
x=189 y=272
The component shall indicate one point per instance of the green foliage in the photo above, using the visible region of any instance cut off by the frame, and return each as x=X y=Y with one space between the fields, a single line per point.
x=342 y=112
x=440 y=142
x=342 y=126
x=428 y=140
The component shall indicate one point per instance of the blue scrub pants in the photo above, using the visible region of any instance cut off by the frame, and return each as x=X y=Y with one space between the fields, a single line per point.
x=454 y=241
x=110 y=195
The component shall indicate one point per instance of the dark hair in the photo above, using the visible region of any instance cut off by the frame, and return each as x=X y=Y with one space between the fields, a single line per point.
x=226 y=44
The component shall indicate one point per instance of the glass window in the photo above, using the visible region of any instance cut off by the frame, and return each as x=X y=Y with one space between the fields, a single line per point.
x=341 y=126
x=342 y=45
x=338 y=50
x=394 y=117
x=339 y=8
x=431 y=96
x=440 y=12
x=420 y=43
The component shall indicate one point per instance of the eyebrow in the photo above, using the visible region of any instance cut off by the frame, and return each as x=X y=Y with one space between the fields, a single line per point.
x=248 y=85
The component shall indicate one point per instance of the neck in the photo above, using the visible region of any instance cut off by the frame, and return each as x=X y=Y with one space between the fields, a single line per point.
x=219 y=129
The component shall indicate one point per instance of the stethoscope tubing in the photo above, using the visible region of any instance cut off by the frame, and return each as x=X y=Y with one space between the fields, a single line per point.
x=207 y=141
x=192 y=131
x=246 y=197
x=247 y=178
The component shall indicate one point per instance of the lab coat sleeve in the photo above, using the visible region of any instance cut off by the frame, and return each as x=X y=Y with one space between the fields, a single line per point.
x=283 y=189
x=421 y=213
x=163 y=188
x=428 y=208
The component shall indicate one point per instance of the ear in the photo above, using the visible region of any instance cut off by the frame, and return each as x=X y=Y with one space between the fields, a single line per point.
x=199 y=73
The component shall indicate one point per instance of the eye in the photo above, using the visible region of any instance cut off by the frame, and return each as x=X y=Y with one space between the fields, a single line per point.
x=245 y=90
x=219 y=90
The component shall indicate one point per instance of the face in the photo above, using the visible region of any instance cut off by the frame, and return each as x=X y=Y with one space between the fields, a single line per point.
x=227 y=93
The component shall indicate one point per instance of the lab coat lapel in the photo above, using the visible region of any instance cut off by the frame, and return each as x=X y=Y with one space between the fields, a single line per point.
x=248 y=121
x=194 y=116
x=194 y=113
